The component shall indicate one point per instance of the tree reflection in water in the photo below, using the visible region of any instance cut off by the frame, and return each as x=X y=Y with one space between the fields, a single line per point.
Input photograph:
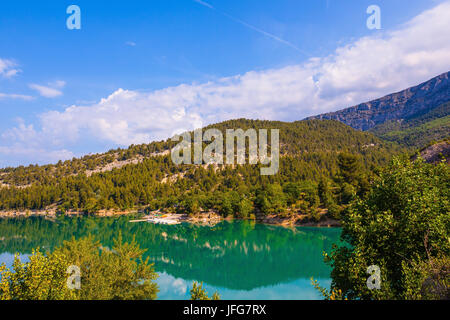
x=239 y=255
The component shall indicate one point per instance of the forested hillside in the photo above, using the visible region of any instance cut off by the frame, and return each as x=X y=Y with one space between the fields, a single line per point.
x=419 y=129
x=323 y=163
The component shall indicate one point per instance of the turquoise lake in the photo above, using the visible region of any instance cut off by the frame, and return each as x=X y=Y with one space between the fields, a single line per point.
x=239 y=259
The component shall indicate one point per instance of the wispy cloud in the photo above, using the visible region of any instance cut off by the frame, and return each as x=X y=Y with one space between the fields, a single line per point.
x=58 y=84
x=130 y=43
x=254 y=28
x=8 y=68
x=52 y=90
x=15 y=96
x=204 y=4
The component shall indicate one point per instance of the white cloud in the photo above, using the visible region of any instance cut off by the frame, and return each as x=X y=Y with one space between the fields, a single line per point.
x=23 y=155
x=51 y=90
x=365 y=69
x=15 y=96
x=28 y=146
x=57 y=84
x=8 y=68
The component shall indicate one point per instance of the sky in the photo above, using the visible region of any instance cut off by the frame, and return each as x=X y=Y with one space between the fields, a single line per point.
x=140 y=71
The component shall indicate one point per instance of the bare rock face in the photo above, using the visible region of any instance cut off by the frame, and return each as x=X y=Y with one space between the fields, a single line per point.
x=436 y=152
x=396 y=106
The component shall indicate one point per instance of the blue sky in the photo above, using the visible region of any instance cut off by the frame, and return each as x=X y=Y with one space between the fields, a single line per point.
x=163 y=66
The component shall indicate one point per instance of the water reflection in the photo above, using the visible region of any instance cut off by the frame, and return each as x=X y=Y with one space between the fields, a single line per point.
x=242 y=260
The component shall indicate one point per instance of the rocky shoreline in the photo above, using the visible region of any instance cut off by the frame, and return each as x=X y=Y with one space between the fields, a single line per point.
x=299 y=220
x=54 y=214
x=203 y=218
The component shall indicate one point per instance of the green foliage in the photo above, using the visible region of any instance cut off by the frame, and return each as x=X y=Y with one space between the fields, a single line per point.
x=118 y=273
x=333 y=294
x=335 y=211
x=190 y=206
x=309 y=151
x=245 y=208
x=402 y=226
x=347 y=193
x=349 y=168
x=417 y=130
x=292 y=192
x=427 y=280
x=42 y=278
x=324 y=192
x=198 y=293
x=271 y=199
x=351 y=178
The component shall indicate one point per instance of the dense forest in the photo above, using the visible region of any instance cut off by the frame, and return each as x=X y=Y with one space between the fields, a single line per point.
x=322 y=164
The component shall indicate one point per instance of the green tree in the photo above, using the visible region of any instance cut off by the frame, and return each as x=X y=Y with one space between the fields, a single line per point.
x=226 y=207
x=42 y=278
x=347 y=193
x=106 y=274
x=198 y=293
x=245 y=208
x=191 y=205
x=349 y=168
x=292 y=191
x=271 y=199
x=309 y=193
x=324 y=192
x=403 y=228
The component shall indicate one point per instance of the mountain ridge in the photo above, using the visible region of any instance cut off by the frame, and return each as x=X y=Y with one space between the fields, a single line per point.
x=394 y=107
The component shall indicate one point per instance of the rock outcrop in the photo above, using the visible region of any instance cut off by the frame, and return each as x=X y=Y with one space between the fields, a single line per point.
x=396 y=106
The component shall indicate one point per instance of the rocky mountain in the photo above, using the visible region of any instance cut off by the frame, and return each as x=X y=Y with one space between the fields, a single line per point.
x=436 y=152
x=398 y=106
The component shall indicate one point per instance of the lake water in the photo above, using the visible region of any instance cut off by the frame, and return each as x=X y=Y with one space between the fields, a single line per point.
x=240 y=259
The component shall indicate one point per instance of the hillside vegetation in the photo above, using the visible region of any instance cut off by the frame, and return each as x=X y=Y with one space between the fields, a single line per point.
x=419 y=129
x=323 y=163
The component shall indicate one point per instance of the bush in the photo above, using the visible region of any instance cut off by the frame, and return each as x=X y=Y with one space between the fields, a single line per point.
x=271 y=199
x=334 y=211
x=245 y=208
